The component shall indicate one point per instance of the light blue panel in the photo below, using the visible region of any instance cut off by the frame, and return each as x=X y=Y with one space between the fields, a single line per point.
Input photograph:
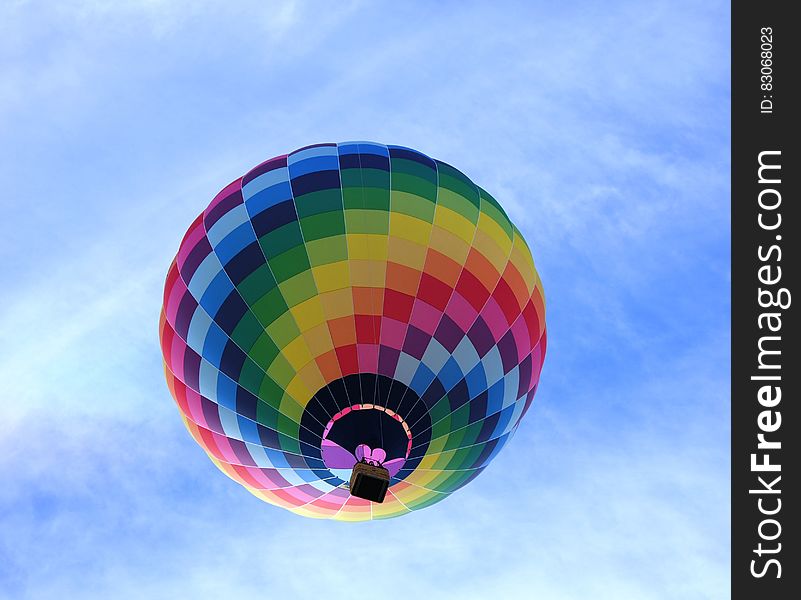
x=495 y=397
x=450 y=374
x=436 y=355
x=422 y=379
x=276 y=459
x=264 y=181
x=216 y=293
x=476 y=380
x=227 y=223
x=317 y=163
x=207 y=380
x=203 y=276
x=226 y=392
x=215 y=344
x=198 y=328
x=510 y=382
x=307 y=153
x=269 y=197
x=465 y=355
x=235 y=242
x=230 y=423
x=249 y=429
x=260 y=456
x=493 y=365
x=406 y=368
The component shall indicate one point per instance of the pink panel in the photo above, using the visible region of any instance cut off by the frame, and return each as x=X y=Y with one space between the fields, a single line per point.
x=368 y=357
x=461 y=311
x=425 y=317
x=495 y=319
x=392 y=333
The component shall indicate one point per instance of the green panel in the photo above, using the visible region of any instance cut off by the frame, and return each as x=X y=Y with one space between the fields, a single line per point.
x=327 y=250
x=366 y=197
x=255 y=285
x=322 y=225
x=266 y=415
x=404 y=168
x=288 y=443
x=251 y=375
x=367 y=221
x=270 y=393
x=496 y=213
x=299 y=288
x=264 y=351
x=414 y=185
x=415 y=206
x=290 y=263
x=287 y=426
x=281 y=371
x=457 y=182
x=283 y=330
x=281 y=239
x=318 y=202
x=440 y=410
x=270 y=306
x=247 y=331
x=375 y=178
x=350 y=178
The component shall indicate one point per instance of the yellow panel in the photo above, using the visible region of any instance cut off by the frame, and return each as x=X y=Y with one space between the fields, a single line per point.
x=449 y=244
x=318 y=339
x=496 y=256
x=308 y=314
x=289 y=407
x=410 y=228
x=368 y=273
x=333 y=276
x=297 y=389
x=311 y=376
x=357 y=246
x=454 y=222
x=297 y=353
x=407 y=253
x=338 y=303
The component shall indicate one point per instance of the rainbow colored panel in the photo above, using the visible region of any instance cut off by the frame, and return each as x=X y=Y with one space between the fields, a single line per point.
x=352 y=293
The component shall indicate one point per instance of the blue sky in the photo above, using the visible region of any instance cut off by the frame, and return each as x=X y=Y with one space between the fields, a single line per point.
x=602 y=127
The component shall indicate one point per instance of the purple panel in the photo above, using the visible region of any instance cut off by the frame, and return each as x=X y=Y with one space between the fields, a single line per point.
x=388 y=361
x=266 y=166
x=416 y=342
x=222 y=207
x=448 y=333
x=508 y=351
x=481 y=337
x=195 y=257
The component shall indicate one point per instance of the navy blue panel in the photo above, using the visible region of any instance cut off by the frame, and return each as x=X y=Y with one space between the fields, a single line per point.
x=274 y=217
x=314 y=182
x=246 y=403
x=231 y=312
x=244 y=263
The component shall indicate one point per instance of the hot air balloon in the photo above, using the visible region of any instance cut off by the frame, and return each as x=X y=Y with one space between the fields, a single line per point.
x=353 y=331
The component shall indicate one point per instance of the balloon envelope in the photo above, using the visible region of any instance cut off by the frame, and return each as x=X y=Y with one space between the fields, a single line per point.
x=348 y=302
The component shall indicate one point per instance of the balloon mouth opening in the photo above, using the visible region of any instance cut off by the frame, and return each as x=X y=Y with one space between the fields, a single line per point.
x=366 y=434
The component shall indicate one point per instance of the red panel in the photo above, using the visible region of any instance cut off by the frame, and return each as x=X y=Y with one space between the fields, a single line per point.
x=506 y=300
x=434 y=291
x=368 y=329
x=398 y=305
x=348 y=360
x=473 y=291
